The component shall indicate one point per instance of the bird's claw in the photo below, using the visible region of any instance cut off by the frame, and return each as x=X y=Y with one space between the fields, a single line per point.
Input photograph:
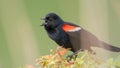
x=69 y=57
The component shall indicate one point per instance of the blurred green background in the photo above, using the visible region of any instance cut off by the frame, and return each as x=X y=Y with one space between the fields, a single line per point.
x=22 y=40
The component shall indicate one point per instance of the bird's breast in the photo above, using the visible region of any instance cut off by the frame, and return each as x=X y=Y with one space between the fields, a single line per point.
x=55 y=35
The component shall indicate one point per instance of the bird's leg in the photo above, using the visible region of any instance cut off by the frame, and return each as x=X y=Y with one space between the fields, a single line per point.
x=73 y=55
x=69 y=57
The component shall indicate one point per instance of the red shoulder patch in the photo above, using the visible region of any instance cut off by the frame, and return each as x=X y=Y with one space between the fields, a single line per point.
x=67 y=27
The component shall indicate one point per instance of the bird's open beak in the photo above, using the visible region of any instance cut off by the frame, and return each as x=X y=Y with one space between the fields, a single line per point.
x=43 y=24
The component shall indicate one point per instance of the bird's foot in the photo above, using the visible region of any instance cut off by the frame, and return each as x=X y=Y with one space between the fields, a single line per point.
x=71 y=56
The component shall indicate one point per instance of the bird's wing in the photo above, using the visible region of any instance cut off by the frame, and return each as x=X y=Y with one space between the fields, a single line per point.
x=79 y=38
x=82 y=39
x=69 y=27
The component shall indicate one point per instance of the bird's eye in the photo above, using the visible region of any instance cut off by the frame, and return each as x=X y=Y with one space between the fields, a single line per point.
x=47 y=18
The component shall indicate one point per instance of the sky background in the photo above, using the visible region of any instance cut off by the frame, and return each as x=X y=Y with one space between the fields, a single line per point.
x=22 y=40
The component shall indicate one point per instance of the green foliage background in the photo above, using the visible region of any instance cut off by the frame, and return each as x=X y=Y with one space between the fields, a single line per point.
x=22 y=40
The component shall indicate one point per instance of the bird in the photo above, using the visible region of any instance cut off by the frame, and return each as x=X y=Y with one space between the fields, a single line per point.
x=69 y=35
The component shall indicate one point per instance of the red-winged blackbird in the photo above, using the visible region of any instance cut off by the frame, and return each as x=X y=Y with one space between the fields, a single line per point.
x=72 y=36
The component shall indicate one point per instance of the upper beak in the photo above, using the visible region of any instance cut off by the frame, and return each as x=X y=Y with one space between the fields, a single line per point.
x=43 y=24
x=42 y=19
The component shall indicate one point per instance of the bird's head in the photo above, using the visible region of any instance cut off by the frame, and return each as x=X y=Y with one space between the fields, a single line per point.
x=51 y=20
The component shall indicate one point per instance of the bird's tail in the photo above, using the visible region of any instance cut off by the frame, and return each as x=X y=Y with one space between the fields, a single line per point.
x=109 y=47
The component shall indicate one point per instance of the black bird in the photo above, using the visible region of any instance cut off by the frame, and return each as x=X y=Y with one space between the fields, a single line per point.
x=72 y=36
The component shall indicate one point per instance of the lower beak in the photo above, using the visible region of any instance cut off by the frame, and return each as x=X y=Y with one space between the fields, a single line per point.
x=43 y=24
